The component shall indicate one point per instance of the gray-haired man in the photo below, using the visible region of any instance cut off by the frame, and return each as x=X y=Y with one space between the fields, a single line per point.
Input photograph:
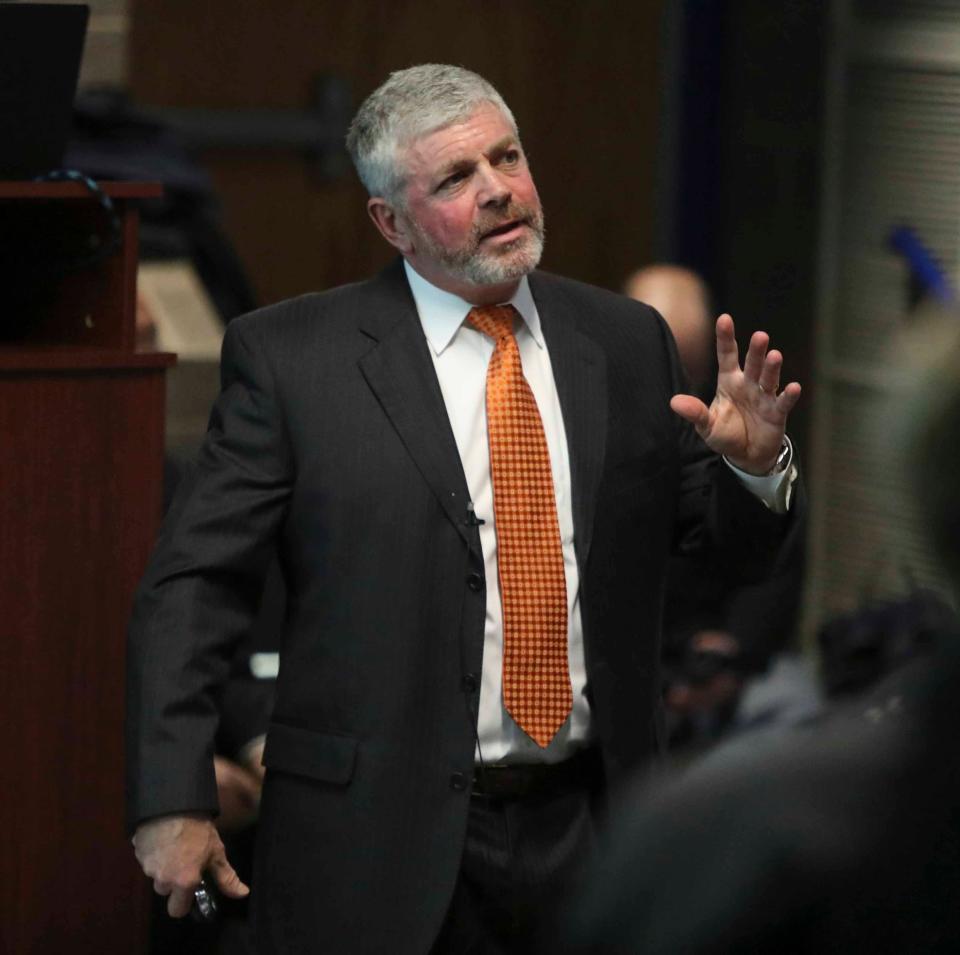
x=415 y=797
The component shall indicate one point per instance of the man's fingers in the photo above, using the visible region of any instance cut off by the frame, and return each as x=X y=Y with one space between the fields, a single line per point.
x=728 y=355
x=227 y=879
x=691 y=409
x=753 y=364
x=770 y=376
x=788 y=398
x=180 y=902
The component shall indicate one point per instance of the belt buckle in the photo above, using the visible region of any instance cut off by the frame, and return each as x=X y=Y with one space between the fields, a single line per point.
x=503 y=781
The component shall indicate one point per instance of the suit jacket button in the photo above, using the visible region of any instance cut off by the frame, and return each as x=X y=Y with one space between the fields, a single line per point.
x=458 y=781
x=469 y=683
x=475 y=582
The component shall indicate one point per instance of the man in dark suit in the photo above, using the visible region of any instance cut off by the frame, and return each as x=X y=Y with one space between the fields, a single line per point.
x=467 y=660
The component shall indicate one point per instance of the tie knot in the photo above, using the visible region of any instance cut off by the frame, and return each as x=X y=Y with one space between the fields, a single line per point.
x=493 y=320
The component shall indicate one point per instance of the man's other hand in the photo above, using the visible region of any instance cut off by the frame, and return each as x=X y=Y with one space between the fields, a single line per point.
x=175 y=851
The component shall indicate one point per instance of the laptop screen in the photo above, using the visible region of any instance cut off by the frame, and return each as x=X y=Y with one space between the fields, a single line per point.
x=40 y=49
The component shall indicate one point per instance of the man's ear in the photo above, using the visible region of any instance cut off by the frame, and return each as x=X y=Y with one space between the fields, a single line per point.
x=390 y=224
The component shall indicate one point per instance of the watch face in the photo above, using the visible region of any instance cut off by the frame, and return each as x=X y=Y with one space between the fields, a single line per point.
x=781 y=463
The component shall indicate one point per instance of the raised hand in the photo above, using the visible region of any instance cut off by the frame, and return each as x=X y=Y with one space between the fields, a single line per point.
x=747 y=419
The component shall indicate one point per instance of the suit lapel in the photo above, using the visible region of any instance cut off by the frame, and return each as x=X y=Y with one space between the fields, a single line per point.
x=400 y=372
x=580 y=373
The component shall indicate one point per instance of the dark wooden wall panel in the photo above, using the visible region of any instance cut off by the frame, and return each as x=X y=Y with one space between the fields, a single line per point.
x=580 y=77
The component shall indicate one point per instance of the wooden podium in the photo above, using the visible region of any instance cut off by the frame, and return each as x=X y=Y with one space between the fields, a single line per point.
x=81 y=458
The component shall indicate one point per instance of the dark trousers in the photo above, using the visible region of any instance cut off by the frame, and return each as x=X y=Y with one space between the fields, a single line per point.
x=521 y=859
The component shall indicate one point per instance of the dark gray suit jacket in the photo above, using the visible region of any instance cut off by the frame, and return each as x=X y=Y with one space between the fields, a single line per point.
x=330 y=438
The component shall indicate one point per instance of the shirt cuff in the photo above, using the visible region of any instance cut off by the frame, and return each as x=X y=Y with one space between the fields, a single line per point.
x=775 y=490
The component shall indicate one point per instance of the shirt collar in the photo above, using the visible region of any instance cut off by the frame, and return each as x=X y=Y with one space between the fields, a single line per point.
x=442 y=313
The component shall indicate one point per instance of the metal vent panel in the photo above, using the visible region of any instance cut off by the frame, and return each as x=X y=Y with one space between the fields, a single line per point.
x=893 y=157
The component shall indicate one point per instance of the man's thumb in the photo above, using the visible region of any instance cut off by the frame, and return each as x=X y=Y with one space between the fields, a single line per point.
x=228 y=882
x=693 y=410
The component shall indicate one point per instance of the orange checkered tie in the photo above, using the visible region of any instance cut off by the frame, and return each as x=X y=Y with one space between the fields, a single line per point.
x=533 y=590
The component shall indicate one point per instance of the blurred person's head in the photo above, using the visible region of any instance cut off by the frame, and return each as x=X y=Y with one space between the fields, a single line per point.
x=439 y=153
x=681 y=297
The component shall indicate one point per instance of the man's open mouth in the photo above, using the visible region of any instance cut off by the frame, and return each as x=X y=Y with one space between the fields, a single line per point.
x=503 y=229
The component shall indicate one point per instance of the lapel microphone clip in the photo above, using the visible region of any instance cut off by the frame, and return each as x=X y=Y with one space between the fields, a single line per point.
x=472 y=519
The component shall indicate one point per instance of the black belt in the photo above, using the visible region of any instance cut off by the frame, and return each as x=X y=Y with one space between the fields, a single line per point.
x=513 y=780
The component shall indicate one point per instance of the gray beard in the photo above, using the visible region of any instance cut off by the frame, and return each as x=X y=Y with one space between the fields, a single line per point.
x=480 y=266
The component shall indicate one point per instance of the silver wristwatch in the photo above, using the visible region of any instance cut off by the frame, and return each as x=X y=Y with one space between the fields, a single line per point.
x=780 y=465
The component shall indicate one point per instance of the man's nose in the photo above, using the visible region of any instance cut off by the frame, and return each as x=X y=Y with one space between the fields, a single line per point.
x=494 y=189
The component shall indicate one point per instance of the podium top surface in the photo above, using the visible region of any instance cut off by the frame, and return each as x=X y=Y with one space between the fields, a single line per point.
x=28 y=189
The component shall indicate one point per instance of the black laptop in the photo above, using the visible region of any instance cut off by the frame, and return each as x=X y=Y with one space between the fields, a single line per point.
x=40 y=49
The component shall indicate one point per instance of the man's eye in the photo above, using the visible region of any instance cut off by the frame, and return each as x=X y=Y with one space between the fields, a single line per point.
x=453 y=179
x=511 y=156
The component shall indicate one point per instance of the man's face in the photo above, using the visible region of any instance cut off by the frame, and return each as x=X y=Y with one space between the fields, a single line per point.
x=470 y=207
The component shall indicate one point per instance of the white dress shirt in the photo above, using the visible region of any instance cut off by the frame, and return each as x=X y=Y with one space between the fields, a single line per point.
x=460 y=356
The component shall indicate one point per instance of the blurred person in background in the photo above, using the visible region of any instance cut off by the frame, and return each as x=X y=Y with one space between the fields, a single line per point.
x=683 y=299
x=841 y=835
